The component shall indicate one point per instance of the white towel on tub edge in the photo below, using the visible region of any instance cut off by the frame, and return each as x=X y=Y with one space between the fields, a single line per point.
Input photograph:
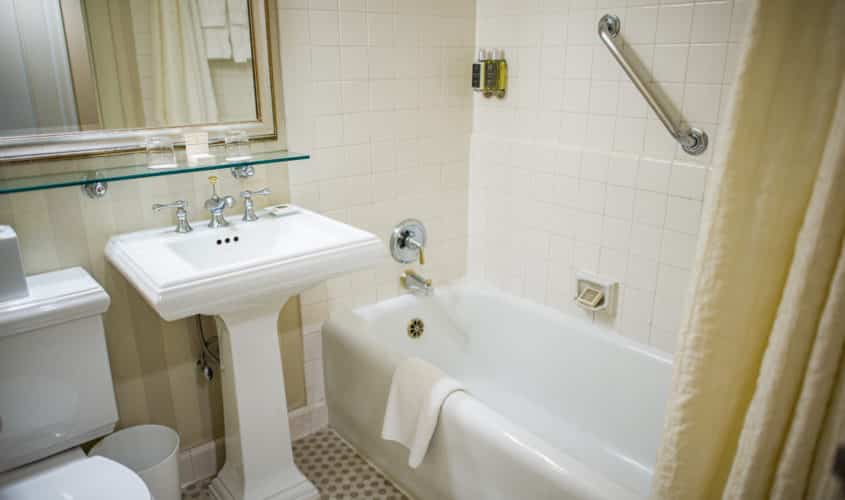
x=417 y=393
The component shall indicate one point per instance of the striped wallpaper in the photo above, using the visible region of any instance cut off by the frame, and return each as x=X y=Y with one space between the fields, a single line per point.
x=153 y=361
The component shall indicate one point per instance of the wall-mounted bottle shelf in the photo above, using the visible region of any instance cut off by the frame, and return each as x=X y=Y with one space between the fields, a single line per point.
x=98 y=177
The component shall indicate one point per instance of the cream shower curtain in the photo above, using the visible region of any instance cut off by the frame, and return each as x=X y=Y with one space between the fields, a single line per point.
x=758 y=401
x=183 y=92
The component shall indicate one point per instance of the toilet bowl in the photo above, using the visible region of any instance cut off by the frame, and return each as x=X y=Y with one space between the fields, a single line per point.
x=56 y=393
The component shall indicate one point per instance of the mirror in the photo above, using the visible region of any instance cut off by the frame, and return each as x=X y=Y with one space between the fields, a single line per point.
x=87 y=70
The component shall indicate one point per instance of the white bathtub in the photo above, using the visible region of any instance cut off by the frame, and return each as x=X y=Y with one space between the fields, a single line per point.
x=555 y=408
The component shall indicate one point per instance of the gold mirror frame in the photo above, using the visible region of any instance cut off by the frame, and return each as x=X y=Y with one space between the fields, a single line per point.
x=264 y=30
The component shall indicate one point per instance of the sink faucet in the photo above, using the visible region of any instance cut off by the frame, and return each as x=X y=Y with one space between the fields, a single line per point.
x=182 y=224
x=249 y=205
x=216 y=204
x=415 y=283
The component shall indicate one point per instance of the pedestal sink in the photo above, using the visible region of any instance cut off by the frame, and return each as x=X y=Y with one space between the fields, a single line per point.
x=244 y=274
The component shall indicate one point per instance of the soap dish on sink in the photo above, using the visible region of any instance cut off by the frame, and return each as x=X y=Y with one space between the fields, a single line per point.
x=283 y=210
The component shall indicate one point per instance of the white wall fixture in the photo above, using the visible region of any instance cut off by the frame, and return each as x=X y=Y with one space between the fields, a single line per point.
x=594 y=293
x=244 y=273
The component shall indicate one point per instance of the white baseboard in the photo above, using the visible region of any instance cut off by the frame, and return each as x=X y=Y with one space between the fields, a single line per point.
x=308 y=420
x=205 y=460
x=201 y=462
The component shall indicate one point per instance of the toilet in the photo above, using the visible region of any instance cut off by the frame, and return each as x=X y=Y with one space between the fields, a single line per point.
x=56 y=393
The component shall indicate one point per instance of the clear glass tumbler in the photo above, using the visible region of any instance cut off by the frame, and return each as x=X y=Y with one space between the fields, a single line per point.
x=160 y=152
x=237 y=145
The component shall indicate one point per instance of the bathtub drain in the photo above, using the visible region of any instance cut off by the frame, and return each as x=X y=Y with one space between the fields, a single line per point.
x=415 y=328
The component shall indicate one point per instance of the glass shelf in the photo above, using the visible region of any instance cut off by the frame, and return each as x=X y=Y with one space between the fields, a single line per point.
x=137 y=171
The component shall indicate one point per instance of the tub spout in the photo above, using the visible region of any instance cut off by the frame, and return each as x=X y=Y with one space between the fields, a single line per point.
x=415 y=283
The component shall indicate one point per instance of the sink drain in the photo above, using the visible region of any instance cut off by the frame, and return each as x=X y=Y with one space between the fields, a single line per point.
x=416 y=327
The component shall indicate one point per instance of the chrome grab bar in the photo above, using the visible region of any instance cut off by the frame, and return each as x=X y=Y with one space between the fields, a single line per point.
x=691 y=139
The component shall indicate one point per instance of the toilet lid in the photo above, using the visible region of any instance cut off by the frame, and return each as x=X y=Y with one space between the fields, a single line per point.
x=94 y=478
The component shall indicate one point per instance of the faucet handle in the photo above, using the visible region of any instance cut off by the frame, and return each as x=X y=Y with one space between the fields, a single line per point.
x=411 y=242
x=249 y=194
x=182 y=224
x=179 y=204
x=212 y=179
x=408 y=241
x=249 y=208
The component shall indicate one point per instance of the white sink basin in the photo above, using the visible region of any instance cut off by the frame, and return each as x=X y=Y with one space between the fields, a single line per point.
x=244 y=274
x=211 y=271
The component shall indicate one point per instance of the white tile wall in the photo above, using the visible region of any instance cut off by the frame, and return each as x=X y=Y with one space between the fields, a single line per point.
x=573 y=171
x=377 y=91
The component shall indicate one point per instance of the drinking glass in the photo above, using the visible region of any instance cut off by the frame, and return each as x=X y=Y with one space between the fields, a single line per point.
x=160 y=153
x=237 y=145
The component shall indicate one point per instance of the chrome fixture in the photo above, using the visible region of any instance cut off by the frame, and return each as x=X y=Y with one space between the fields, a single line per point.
x=415 y=283
x=243 y=172
x=407 y=241
x=182 y=224
x=217 y=204
x=249 y=205
x=95 y=190
x=692 y=140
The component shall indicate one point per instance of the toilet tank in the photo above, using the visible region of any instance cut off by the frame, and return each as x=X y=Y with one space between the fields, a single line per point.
x=56 y=388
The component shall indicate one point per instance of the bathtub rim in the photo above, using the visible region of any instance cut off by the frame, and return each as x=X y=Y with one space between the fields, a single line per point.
x=366 y=312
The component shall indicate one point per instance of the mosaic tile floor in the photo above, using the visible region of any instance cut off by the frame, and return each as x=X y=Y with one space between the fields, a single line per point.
x=335 y=469
x=197 y=491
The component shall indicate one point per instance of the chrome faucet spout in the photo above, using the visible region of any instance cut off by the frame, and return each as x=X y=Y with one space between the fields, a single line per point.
x=415 y=283
x=216 y=204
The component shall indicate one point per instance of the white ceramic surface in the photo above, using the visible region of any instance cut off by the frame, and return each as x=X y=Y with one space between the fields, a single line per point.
x=76 y=478
x=244 y=274
x=555 y=408
x=56 y=388
x=274 y=257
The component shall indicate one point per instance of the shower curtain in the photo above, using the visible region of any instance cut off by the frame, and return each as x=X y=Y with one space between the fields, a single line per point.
x=183 y=92
x=758 y=404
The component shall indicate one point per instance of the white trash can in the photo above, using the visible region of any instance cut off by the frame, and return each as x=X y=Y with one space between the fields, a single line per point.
x=152 y=451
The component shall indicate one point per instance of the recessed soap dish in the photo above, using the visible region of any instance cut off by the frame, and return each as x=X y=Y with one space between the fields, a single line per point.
x=590 y=297
x=594 y=293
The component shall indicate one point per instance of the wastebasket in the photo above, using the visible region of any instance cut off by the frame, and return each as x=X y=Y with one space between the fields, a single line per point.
x=152 y=451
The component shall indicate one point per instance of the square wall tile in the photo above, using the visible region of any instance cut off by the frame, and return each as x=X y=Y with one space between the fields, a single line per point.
x=683 y=214
x=619 y=202
x=650 y=208
x=674 y=23
x=653 y=175
x=711 y=22
x=706 y=63
x=325 y=27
